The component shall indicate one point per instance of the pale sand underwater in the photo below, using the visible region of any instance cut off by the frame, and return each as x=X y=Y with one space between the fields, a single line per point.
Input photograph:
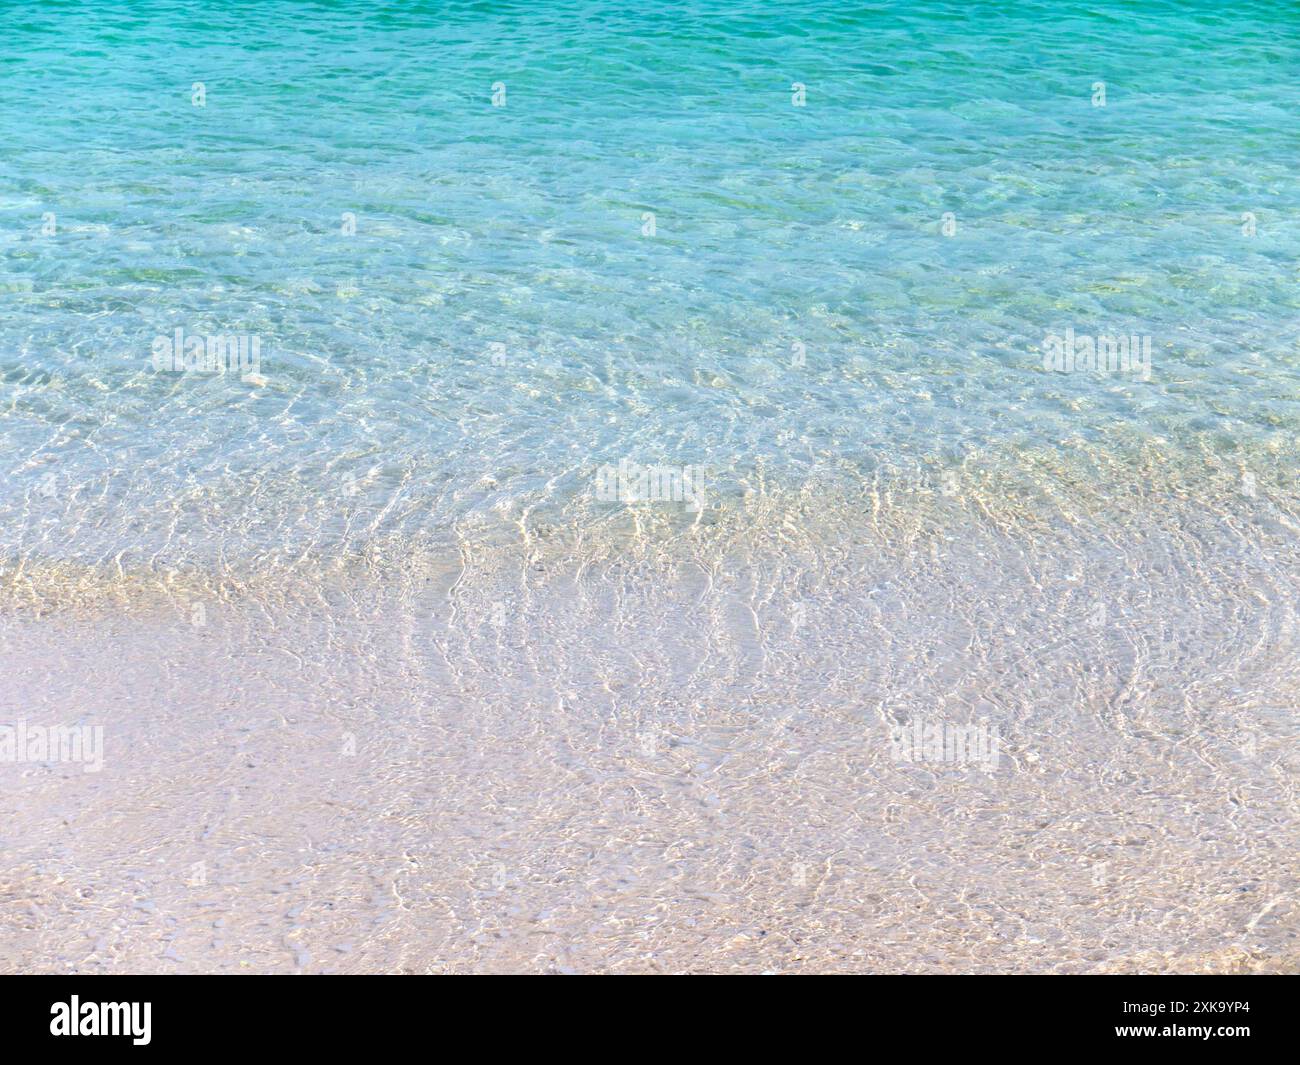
x=672 y=753
x=962 y=655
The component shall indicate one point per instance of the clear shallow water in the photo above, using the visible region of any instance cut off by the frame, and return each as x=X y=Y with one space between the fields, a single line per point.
x=522 y=226
x=394 y=533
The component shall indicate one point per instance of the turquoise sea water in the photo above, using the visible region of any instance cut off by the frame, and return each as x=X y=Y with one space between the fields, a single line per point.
x=373 y=649
x=499 y=325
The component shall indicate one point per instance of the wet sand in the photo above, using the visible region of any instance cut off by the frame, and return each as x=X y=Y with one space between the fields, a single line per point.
x=676 y=760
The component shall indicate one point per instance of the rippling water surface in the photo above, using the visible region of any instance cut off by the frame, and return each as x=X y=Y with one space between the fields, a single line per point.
x=388 y=683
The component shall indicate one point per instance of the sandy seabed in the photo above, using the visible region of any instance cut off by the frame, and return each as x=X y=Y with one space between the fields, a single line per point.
x=559 y=759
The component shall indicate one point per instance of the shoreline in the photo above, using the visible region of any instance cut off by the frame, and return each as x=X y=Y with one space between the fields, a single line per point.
x=676 y=761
